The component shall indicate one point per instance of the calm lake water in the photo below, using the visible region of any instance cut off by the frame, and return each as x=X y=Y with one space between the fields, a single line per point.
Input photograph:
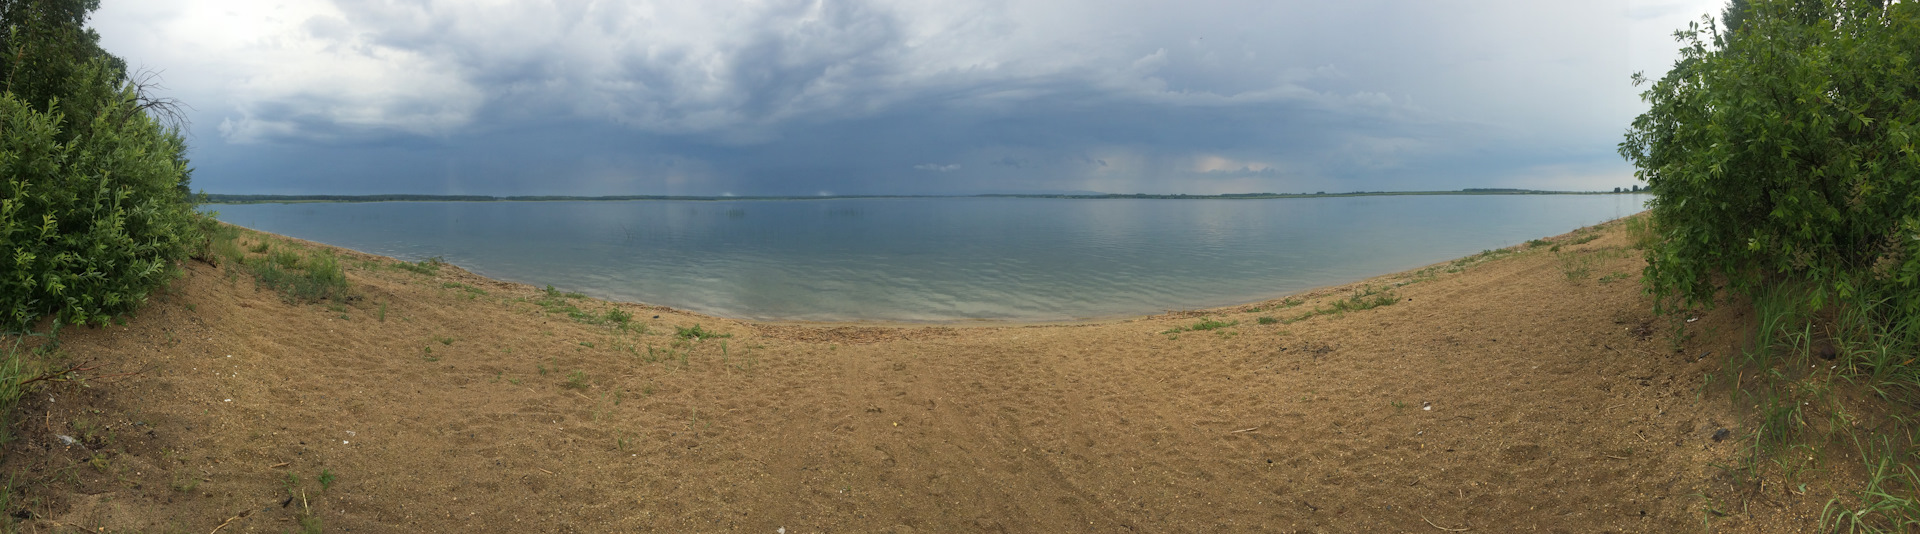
x=939 y=259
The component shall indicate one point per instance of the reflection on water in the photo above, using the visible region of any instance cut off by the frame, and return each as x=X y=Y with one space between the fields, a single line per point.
x=939 y=259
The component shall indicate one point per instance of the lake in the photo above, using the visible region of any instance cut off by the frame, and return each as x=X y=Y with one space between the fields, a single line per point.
x=939 y=259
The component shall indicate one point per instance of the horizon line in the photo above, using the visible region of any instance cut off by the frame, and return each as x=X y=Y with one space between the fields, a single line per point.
x=228 y=198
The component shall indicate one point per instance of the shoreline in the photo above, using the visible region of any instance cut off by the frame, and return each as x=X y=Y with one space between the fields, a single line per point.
x=1311 y=292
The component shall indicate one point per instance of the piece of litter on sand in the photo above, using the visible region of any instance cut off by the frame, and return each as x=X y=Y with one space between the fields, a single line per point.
x=1426 y=406
x=781 y=530
x=66 y=439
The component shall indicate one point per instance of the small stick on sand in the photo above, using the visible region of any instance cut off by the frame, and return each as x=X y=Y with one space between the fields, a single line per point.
x=1616 y=457
x=1430 y=523
x=1244 y=430
x=277 y=466
x=544 y=471
x=223 y=524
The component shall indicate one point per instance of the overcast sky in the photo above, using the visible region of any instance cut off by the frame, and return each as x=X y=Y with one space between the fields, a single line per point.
x=781 y=97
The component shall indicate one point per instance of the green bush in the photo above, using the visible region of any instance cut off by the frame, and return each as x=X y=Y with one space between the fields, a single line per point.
x=1781 y=153
x=94 y=222
x=1784 y=148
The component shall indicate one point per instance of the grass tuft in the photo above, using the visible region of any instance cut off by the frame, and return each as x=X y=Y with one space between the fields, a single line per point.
x=696 y=333
x=316 y=277
x=429 y=266
x=1203 y=325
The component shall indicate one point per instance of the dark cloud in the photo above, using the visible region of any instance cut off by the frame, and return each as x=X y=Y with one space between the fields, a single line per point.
x=794 y=97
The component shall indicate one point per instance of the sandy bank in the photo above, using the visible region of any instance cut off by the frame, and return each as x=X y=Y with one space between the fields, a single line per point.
x=1500 y=393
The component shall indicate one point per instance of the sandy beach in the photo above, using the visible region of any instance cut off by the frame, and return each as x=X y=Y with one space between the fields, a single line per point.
x=1527 y=390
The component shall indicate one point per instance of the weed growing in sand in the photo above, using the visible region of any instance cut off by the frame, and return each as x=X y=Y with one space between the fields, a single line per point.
x=426 y=353
x=1366 y=298
x=429 y=266
x=1203 y=325
x=308 y=520
x=469 y=292
x=318 y=276
x=259 y=248
x=1266 y=319
x=13 y=369
x=695 y=333
x=444 y=340
x=1575 y=266
x=587 y=344
x=1484 y=256
x=184 y=482
x=1888 y=503
x=383 y=311
x=1801 y=352
x=1538 y=243
x=556 y=302
x=1641 y=232
x=1614 y=277
x=285 y=259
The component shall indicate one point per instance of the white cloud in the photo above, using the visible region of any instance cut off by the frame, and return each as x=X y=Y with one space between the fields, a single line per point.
x=293 y=70
x=936 y=167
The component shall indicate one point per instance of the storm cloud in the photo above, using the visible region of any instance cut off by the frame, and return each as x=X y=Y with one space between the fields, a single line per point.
x=884 y=97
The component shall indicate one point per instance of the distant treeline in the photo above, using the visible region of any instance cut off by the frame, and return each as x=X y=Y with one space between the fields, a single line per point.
x=253 y=199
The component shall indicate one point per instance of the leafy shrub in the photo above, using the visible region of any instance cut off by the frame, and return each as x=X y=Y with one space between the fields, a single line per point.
x=93 y=223
x=1784 y=148
x=1781 y=153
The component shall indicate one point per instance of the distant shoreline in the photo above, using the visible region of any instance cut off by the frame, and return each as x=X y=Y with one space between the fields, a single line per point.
x=207 y=198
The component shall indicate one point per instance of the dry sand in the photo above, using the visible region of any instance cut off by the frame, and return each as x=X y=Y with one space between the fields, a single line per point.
x=1505 y=397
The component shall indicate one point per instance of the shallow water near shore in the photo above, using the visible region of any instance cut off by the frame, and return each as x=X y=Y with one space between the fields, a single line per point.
x=939 y=259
